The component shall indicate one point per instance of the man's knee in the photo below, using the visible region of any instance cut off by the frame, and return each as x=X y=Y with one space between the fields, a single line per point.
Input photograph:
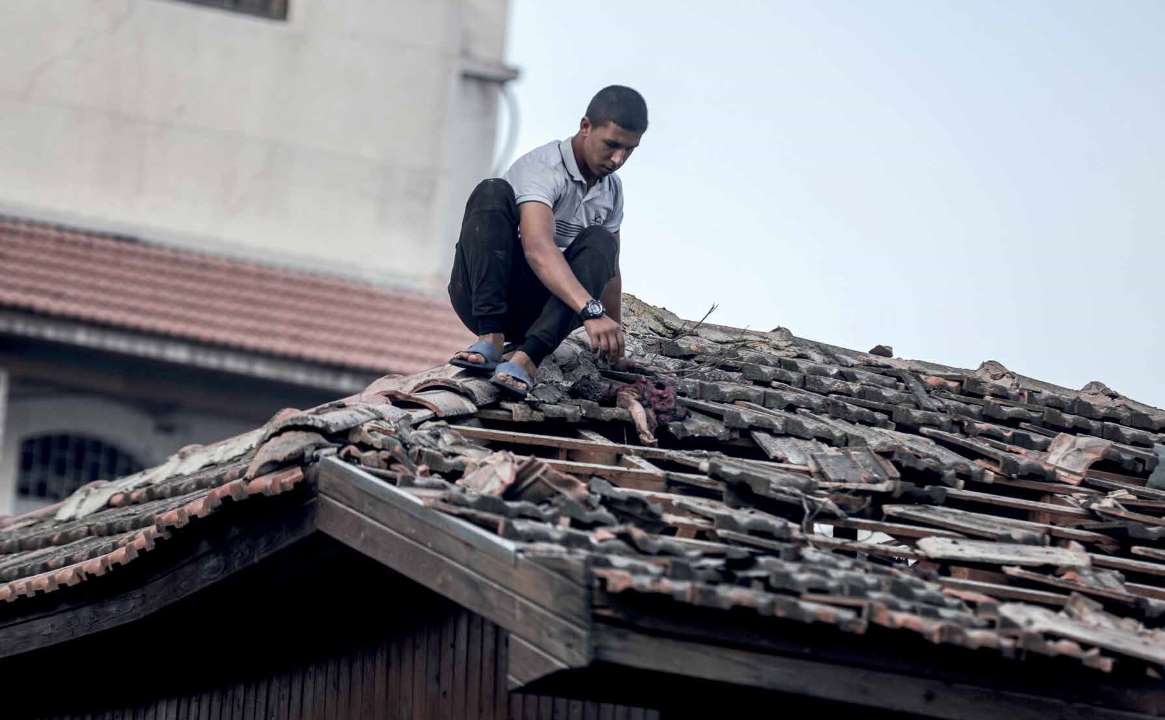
x=491 y=193
x=598 y=239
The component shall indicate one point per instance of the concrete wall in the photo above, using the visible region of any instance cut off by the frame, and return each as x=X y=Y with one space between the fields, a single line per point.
x=345 y=137
x=150 y=438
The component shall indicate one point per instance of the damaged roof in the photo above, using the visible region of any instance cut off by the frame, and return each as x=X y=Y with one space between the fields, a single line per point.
x=739 y=473
x=128 y=284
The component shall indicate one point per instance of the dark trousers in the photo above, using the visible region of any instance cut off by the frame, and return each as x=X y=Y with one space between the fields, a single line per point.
x=493 y=288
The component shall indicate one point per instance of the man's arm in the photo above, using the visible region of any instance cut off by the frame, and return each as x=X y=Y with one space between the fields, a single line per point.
x=546 y=260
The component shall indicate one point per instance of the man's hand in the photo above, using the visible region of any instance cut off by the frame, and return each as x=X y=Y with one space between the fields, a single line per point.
x=606 y=337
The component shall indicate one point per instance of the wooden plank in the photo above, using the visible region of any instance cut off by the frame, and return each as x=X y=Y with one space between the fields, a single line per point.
x=420 y=679
x=501 y=662
x=333 y=699
x=371 y=656
x=295 y=704
x=828 y=681
x=355 y=699
x=1050 y=488
x=238 y=700
x=993 y=526
x=593 y=442
x=435 y=682
x=1127 y=565
x=1050 y=581
x=1017 y=504
x=460 y=664
x=473 y=667
x=489 y=671
x=691 y=480
x=867 y=548
x=997 y=553
x=1149 y=552
x=282 y=707
x=263 y=697
x=616 y=474
x=1149 y=591
x=404 y=676
x=461 y=542
x=1106 y=481
x=248 y=692
x=894 y=529
x=381 y=672
x=1005 y=592
x=527 y=663
x=319 y=677
x=262 y=688
x=1130 y=516
x=308 y=699
x=214 y=706
x=774 y=546
x=990 y=526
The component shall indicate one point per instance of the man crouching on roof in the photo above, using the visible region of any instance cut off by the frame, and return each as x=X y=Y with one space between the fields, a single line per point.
x=539 y=248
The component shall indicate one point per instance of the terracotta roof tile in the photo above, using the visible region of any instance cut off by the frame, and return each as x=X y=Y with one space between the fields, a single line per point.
x=778 y=503
x=133 y=285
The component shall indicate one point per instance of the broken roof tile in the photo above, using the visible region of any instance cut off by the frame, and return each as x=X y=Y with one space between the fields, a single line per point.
x=867 y=494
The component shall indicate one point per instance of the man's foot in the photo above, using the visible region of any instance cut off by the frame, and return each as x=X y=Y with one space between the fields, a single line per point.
x=484 y=354
x=517 y=375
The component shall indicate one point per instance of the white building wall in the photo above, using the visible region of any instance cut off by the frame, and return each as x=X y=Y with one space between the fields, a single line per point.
x=150 y=439
x=344 y=138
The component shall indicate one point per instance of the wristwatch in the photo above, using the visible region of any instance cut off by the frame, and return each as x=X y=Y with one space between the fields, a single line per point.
x=593 y=309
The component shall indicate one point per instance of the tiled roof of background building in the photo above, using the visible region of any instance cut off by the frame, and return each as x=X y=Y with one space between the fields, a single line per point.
x=752 y=476
x=132 y=285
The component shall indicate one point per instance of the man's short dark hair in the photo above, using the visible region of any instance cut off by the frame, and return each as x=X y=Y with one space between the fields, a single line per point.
x=618 y=104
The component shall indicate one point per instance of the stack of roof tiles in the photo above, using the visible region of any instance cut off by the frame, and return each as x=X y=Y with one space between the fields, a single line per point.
x=730 y=470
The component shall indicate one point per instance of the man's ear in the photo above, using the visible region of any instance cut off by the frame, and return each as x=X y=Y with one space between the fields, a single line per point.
x=584 y=126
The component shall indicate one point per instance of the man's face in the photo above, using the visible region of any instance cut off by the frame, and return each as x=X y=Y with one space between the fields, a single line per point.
x=606 y=148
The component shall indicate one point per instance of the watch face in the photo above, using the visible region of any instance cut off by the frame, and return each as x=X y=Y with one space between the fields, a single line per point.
x=594 y=309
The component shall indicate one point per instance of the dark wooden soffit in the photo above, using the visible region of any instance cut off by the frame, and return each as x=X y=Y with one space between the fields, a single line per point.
x=893 y=691
x=190 y=562
x=547 y=611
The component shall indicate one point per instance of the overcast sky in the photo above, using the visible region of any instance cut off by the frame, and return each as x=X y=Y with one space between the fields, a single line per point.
x=963 y=181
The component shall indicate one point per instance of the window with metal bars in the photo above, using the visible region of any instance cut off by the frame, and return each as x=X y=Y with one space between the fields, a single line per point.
x=53 y=466
x=273 y=9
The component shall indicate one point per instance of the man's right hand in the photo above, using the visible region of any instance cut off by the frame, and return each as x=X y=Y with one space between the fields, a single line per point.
x=606 y=337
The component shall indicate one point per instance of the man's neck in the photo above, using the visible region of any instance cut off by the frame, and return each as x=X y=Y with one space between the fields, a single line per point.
x=576 y=148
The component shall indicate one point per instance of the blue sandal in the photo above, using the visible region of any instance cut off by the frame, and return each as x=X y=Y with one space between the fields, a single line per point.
x=515 y=371
x=484 y=348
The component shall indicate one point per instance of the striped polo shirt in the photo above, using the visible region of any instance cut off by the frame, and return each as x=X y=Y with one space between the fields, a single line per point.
x=549 y=174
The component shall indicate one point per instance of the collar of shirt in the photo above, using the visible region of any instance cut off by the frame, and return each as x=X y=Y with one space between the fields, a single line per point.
x=568 y=160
